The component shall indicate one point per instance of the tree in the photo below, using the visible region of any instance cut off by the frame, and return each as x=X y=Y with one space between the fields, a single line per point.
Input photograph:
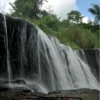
x=65 y=23
x=50 y=21
x=95 y=10
x=75 y=17
x=27 y=8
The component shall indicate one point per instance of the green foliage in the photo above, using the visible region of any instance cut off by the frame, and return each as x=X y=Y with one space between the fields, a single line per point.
x=27 y=8
x=50 y=21
x=70 y=31
x=73 y=35
x=80 y=37
x=75 y=17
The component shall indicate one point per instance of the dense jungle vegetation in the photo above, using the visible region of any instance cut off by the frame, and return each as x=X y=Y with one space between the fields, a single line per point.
x=70 y=31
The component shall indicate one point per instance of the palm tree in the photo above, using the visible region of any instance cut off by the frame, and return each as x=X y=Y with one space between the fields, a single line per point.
x=95 y=10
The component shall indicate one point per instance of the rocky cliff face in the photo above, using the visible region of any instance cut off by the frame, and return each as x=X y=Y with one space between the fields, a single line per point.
x=92 y=58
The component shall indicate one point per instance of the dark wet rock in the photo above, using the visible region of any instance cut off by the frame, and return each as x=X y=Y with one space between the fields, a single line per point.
x=4 y=88
x=3 y=82
x=19 y=81
x=81 y=94
x=93 y=58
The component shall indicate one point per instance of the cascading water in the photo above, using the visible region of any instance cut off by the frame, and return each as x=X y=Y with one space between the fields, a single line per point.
x=7 y=57
x=40 y=63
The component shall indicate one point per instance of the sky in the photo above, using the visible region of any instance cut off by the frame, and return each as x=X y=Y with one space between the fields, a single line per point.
x=83 y=6
x=60 y=7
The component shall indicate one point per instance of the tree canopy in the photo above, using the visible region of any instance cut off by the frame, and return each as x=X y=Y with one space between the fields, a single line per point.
x=28 y=8
x=70 y=31
x=75 y=17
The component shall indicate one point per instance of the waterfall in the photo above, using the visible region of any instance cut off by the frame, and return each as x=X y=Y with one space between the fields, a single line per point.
x=41 y=63
x=3 y=23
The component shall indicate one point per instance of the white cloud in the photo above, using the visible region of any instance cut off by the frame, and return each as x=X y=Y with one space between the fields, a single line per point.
x=92 y=19
x=85 y=19
x=61 y=7
x=4 y=5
